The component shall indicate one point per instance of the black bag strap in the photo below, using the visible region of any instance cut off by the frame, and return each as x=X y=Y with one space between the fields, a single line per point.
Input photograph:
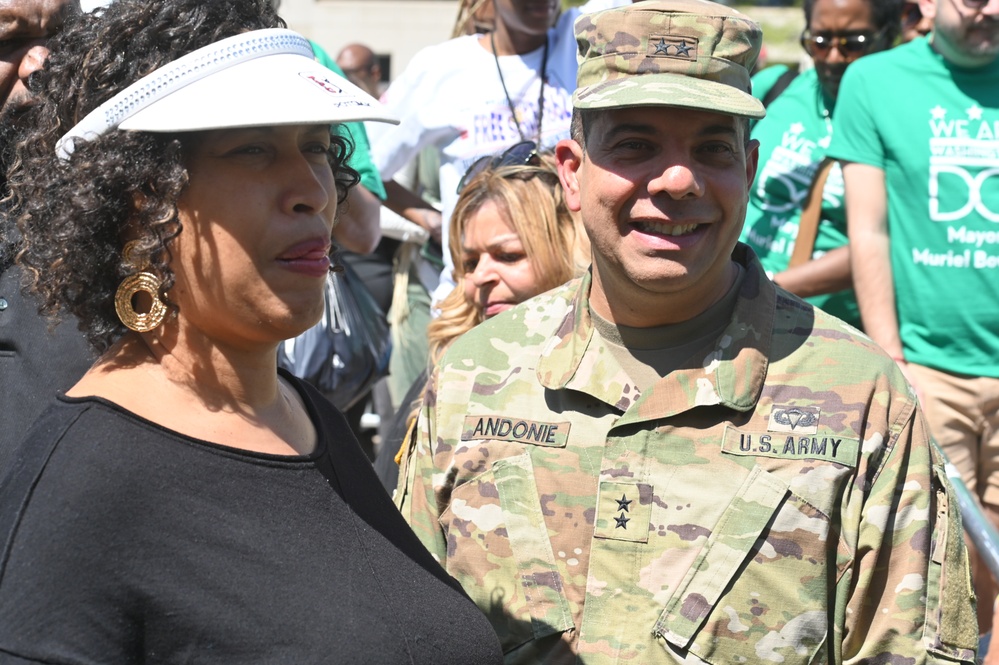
x=779 y=86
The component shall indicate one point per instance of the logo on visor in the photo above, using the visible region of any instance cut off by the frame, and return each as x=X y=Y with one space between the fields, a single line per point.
x=323 y=83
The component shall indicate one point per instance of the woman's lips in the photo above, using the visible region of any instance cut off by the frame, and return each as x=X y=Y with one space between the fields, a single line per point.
x=310 y=257
x=494 y=308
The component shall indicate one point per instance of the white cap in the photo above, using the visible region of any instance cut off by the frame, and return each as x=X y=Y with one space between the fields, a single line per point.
x=258 y=78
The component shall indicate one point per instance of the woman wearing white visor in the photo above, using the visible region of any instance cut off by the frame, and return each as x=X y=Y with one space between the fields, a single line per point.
x=185 y=502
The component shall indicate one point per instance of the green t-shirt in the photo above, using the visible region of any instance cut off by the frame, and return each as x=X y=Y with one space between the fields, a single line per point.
x=793 y=138
x=360 y=159
x=765 y=79
x=934 y=130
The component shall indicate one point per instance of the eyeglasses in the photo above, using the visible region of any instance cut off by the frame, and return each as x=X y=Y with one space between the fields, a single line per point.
x=524 y=153
x=850 y=46
x=911 y=16
x=975 y=4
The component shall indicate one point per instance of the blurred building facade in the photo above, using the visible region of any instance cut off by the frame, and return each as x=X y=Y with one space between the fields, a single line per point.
x=397 y=29
x=394 y=29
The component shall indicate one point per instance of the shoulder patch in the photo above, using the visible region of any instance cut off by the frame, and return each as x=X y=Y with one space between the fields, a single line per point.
x=838 y=449
x=503 y=428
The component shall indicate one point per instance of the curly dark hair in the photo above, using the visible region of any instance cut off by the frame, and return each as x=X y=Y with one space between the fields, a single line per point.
x=74 y=215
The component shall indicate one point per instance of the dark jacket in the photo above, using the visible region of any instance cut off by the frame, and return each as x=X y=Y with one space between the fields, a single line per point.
x=35 y=363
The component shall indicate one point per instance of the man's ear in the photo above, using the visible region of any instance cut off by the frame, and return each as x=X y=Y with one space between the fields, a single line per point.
x=569 y=156
x=752 y=161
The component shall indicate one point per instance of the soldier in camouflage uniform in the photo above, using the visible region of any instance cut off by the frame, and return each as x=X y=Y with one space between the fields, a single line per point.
x=671 y=460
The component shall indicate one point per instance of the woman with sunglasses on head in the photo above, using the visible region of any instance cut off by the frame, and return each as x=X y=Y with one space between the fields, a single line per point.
x=512 y=237
x=185 y=501
x=793 y=140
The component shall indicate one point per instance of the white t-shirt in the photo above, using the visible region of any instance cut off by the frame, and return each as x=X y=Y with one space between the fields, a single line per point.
x=450 y=96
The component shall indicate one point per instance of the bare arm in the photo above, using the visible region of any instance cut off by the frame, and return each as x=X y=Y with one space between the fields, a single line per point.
x=410 y=206
x=827 y=274
x=867 y=227
x=357 y=229
x=870 y=258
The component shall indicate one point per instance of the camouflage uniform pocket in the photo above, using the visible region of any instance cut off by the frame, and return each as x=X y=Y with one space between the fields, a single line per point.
x=759 y=590
x=949 y=630
x=499 y=550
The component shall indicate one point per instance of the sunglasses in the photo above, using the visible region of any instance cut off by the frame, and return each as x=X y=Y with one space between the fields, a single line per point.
x=524 y=153
x=850 y=46
x=975 y=4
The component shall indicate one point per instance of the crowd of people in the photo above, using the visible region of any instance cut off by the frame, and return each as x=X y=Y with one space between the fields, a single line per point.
x=684 y=353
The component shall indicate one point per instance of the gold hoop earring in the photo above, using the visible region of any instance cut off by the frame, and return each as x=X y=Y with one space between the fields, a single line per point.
x=145 y=282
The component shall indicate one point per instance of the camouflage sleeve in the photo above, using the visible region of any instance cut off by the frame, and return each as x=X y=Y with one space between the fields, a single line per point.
x=415 y=496
x=910 y=599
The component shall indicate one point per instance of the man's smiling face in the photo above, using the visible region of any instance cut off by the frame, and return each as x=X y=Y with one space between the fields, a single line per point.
x=662 y=192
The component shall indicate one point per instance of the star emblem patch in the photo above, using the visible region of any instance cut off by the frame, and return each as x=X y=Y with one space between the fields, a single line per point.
x=668 y=46
x=624 y=510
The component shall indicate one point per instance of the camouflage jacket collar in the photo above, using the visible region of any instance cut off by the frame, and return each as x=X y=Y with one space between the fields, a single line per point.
x=732 y=374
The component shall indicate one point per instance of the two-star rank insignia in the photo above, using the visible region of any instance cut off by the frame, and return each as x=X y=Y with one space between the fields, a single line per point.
x=622 y=505
x=624 y=511
x=681 y=48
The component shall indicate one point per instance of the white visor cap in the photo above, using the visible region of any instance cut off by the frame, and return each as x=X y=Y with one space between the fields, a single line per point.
x=258 y=78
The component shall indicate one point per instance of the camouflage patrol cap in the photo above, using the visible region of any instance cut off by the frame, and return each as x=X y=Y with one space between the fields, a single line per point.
x=686 y=53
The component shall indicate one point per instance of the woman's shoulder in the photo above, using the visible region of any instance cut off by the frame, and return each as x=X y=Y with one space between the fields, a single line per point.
x=72 y=450
x=57 y=427
x=61 y=504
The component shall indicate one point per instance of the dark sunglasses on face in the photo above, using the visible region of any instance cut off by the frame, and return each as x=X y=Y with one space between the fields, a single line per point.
x=524 y=153
x=975 y=4
x=821 y=45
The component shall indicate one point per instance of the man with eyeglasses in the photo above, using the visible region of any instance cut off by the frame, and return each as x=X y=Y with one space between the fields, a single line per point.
x=671 y=460
x=919 y=138
x=793 y=141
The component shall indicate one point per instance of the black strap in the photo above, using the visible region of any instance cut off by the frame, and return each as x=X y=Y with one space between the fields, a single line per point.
x=779 y=86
